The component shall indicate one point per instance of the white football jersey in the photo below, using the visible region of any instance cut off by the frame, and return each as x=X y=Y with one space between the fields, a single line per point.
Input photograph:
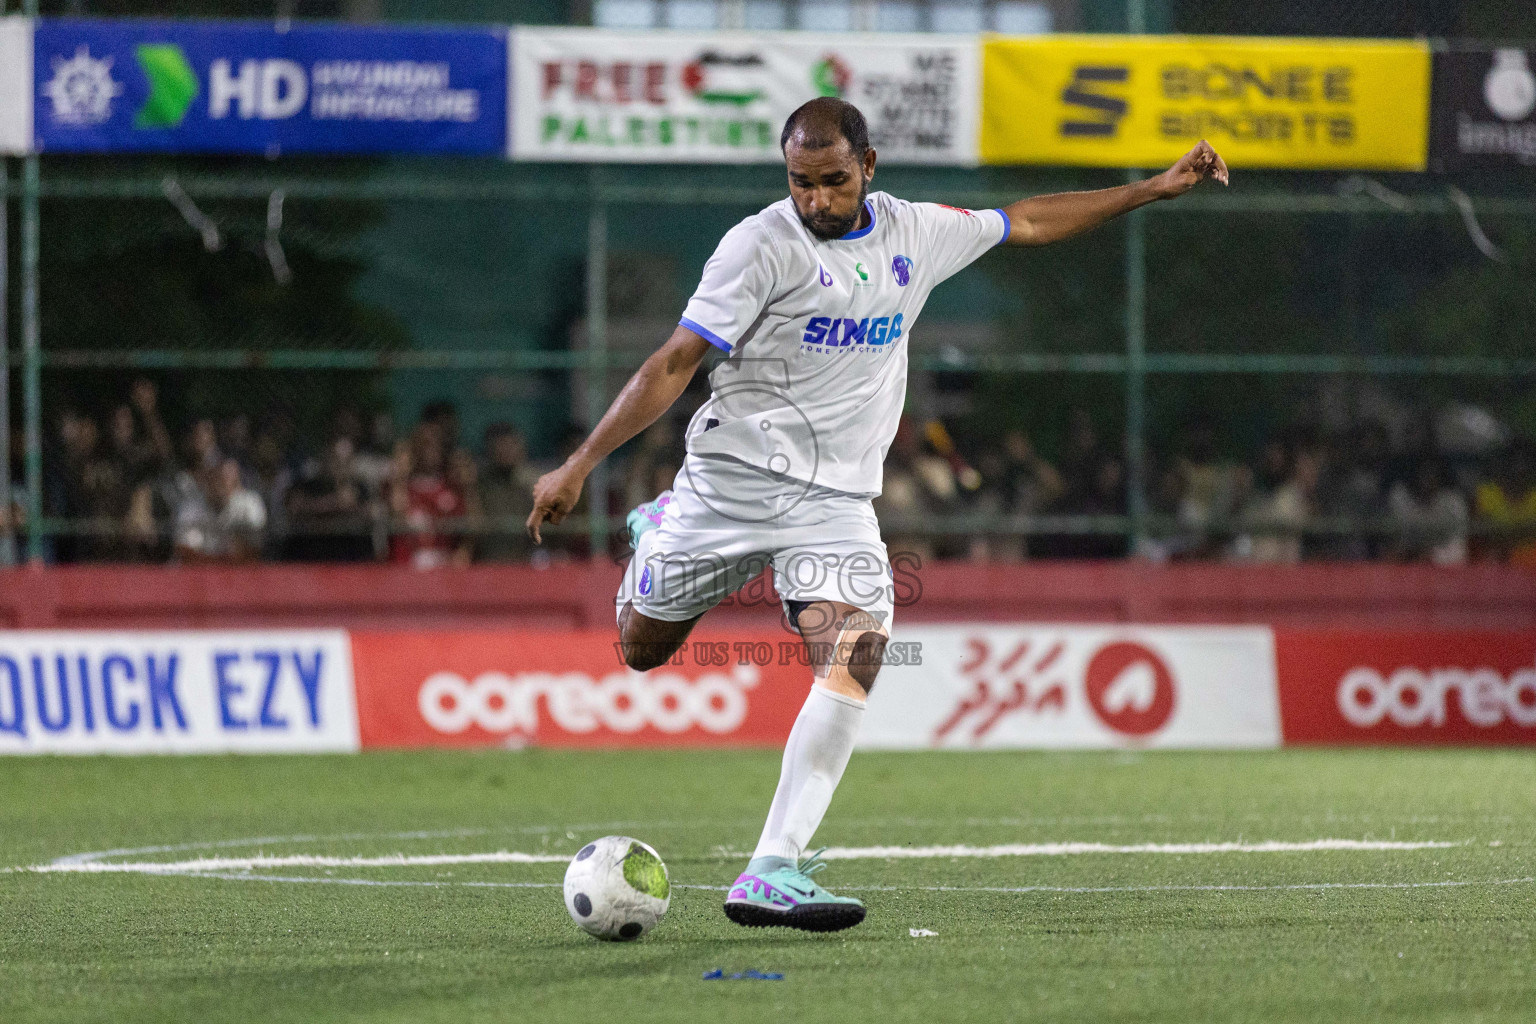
x=817 y=334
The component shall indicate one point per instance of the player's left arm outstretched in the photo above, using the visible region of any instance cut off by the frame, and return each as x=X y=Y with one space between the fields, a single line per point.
x=1041 y=220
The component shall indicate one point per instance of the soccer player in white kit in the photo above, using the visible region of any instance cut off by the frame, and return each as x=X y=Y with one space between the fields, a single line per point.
x=813 y=301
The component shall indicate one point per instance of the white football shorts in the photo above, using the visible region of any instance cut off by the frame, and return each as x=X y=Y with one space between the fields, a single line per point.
x=728 y=520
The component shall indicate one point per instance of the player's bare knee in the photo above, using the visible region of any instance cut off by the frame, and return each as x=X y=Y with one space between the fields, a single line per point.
x=642 y=656
x=646 y=643
x=865 y=659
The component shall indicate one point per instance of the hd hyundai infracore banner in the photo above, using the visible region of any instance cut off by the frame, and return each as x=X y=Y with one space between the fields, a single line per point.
x=236 y=87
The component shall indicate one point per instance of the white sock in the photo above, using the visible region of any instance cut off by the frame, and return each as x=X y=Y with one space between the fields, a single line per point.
x=814 y=758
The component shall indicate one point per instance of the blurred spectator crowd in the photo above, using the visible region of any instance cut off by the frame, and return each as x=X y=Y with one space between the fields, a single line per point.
x=126 y=488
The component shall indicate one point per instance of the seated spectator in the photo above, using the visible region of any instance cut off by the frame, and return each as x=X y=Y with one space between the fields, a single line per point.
x=1430 y=517
x=1104 y=497
x=918 y=484
x=1030 y=483
x=464 y=479
x=272 y=477
x=1279 y=505
x=220 y=520
x=1352 y=493
x=329 y=518
x=202 y=446
x=1209 y=488
x=443 y=413
x=65 y=490
x=1507 y=505
x=144 y=397
x=1092 y=483
x=131 y=449
x=375 y=453
x=234 y=442
x=138 y=460
x=506 y=496
x=421 y=497
x=13 y=515
x=1080 y=456
x=1017 y=482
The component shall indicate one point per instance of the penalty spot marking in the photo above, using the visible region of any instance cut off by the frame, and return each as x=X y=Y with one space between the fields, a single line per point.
x=208 y=865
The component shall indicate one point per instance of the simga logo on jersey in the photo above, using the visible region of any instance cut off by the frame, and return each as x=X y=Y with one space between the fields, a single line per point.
x=830 y=333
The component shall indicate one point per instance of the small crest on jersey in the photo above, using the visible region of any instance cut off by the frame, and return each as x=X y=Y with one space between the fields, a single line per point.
x=901 y=268
x=826 y=278
x=645 y=581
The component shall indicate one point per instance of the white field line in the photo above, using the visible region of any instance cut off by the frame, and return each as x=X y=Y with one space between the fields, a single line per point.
x=1071 y=849
x=1019 y=889
x=205 y=865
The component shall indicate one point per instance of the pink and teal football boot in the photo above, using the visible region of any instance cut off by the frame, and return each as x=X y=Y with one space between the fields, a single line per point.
x=784 y=896
x=642 y=519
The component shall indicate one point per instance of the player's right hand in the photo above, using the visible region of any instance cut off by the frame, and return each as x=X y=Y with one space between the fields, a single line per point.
x=555 y=494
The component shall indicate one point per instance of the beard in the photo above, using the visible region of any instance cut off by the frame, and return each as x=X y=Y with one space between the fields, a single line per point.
x=828 y=228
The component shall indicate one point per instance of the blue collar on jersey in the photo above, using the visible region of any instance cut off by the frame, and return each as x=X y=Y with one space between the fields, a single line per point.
x=861 y=232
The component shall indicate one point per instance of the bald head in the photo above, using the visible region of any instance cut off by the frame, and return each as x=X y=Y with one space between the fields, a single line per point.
x=822 y=123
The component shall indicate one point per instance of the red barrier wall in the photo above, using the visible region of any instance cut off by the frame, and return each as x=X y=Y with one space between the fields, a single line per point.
x=580 y=596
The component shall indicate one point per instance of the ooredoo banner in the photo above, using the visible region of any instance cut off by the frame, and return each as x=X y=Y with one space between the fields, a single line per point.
x=1353 y=687
x=176 y=692
x=959 y=686
x=990 y=686
x=723 y=97
x=189 y=86
x=512 y=688
x=1142 y=101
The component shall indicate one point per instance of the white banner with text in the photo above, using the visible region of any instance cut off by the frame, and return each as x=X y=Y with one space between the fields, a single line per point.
x=723 y=97
x=135 y=692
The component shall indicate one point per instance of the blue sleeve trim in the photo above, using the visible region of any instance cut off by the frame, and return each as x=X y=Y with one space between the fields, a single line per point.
x=1007 y=224
x=705 y=333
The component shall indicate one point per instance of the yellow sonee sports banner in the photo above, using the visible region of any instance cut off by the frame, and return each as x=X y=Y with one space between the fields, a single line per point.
x=1138 y=101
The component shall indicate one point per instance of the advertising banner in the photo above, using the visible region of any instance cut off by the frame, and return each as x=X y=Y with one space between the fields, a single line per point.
x=1423 y=688
x=512 y=688
x=990 y=686
x=722 y=97
x=1483 y=108
x=246 y=87
x=1123 y=101
x=15 y=85
x=176 y=692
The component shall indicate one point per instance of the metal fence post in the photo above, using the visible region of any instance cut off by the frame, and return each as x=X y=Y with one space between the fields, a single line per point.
x=597 y=359
x=1136 y=339
x=31 y=356
x=1136 y=372
x=7 y=533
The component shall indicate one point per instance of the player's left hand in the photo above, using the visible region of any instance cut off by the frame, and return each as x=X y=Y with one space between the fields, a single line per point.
x=1193 y=167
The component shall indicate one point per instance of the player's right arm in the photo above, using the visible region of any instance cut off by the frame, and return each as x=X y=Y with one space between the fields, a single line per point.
x=658 y=383
x=737 y=283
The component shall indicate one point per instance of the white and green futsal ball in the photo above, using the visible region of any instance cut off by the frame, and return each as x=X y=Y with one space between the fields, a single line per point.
x=617 y=888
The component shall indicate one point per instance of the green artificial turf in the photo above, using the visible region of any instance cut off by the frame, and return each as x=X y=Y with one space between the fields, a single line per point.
x=134 y=947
